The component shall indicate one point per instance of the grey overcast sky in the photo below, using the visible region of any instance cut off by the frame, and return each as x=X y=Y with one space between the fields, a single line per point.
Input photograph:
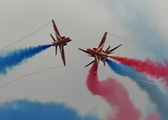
x=85 y=21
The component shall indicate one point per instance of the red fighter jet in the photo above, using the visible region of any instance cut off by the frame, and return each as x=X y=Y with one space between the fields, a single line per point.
x=60 y=41
x=103 y=58
x=98 y=53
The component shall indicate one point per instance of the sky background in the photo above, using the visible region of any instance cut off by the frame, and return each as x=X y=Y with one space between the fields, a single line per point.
x=144 y=22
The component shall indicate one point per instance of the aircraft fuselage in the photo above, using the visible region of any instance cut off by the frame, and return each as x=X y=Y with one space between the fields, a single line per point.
x=94 y=52
x=62 y=41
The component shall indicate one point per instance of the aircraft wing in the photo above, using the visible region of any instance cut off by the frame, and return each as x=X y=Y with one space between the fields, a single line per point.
x=56 y=30
x=63 y=54
x=53 y=38
x=101 y=45
x=84 y=51
x=90 y=63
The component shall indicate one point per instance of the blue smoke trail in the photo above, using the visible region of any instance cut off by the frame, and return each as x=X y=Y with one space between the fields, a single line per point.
x=35 y=110
x=155 y=94
x=10 y=59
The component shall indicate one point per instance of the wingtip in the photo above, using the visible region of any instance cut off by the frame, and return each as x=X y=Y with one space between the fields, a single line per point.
x=64 y=63
x=53 y=22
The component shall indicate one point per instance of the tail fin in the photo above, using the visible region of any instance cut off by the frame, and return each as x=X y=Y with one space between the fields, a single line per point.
x=56 y=50
x=104 y=61
x=56 y=45
x=107 y=49
x=104 y=58
x=110 y=51
x=53 y=38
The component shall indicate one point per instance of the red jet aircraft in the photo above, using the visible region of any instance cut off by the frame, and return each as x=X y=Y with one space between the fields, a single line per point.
x=103 y=58
x=98 y=53
x=60 y=41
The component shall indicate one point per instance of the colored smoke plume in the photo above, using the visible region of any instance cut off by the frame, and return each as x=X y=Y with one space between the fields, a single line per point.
x=115 y=95
x=10 y=59
x=155 y=94
x=149 y=67
x=36 y=110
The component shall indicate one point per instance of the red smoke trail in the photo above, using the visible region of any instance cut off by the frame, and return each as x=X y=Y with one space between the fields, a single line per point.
x=116 y=96
x=154 y=69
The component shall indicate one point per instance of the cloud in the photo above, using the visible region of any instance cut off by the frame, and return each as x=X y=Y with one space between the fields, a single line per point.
x=145 y=22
